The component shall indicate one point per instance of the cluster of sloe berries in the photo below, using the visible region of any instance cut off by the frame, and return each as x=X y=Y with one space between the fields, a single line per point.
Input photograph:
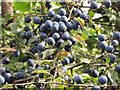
x=53 y=30
x=106 y=3
x=110 y=48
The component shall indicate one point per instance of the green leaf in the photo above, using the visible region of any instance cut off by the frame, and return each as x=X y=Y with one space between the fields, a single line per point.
x=48 y=52
x=11 y=66
x=40 y=71
x=81 y=21
x=85 y=34
x=22 y=6
x=76 y=88
x=107 y=59
x=64 y=44
x=69 y=72
x=19 y=65
x=48 y=86
x=5 y=32
x=31 y=86
x=61 y=87
x=112 y=75
x=32 y=39
x=93 y=31
x=85 y=60
x=8 y=86
x=118 y=75
x=69 y=88
x=91 y=13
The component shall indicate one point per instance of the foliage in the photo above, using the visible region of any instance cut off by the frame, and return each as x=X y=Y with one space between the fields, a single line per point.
x=50 y=66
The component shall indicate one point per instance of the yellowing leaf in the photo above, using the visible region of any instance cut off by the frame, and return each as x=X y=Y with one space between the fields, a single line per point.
x=40 y=71
x=97 y=28
x=71 y=3
x=98 y=32
x=63 y=54
x=80 y=38
x=81 y=21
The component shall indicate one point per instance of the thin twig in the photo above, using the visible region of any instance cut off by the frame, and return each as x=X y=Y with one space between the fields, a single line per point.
x=21 y=80
x=36 y=30
x=78 y=64
x=36 y=14
x=70 y=13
